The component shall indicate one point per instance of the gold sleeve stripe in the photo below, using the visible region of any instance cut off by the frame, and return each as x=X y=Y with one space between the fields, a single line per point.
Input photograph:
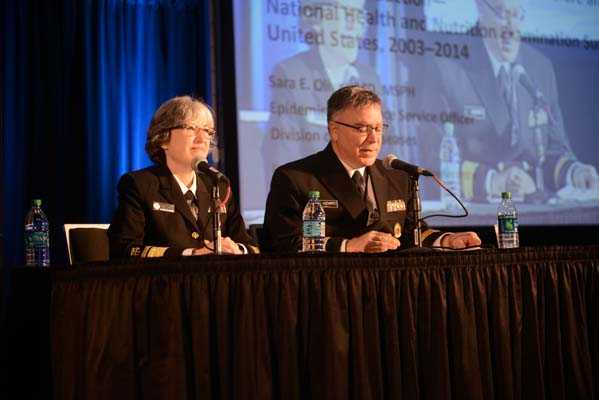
x=148 y=251
x=144 y=253
x=427 y=233
x=468 y=170
x=155 y=251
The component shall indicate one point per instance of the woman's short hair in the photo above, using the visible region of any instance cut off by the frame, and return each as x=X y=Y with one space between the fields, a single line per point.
x=171 y=114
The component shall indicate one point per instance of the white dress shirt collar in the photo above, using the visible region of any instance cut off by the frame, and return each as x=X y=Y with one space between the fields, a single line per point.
x=184 y=187
x=496 y=63
x=351 y=170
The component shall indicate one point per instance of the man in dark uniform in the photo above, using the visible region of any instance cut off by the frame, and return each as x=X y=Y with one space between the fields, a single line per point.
x=163 y=209
x=367 y=206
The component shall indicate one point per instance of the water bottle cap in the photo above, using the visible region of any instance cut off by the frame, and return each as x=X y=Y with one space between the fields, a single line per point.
x=37 y=202
x=506 y=195
x=448 y=126
x=314 y=194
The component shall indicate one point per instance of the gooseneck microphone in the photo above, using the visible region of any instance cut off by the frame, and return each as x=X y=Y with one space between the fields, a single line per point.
x=392 y=162
x=202 y=166
x=218 y=206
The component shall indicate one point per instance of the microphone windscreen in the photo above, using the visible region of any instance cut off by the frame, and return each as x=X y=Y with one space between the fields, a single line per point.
x=201 y=164
x=388 y=161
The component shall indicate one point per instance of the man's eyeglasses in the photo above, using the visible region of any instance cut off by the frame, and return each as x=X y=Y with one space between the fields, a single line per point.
x=364 y=130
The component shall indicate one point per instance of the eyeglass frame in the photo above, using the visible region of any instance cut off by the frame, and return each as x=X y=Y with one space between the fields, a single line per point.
x=210 y=131
x=365 y=129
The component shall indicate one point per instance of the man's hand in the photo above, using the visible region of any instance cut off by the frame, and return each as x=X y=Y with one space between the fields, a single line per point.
x=228 y=246
x=460 y=240
x=585 y=176
x=514 y=179
x=372 y=242
x=202 y=251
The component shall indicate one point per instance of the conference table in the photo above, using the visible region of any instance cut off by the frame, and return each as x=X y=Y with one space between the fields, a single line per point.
x=484 y=324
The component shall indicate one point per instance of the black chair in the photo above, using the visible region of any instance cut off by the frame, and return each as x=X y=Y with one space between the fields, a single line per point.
x=87 y=242
x=256 y=231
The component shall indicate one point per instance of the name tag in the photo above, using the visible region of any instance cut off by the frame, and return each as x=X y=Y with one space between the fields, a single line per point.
x=329 y=203
x=166 y=207
x=396 y=205
x=475 y=112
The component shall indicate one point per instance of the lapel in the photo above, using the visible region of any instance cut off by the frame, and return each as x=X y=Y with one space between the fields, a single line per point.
x=485 y=85
x=318 y=73
x=334 y=177
x=171 y=191
x=525 y=106
x=382 y=189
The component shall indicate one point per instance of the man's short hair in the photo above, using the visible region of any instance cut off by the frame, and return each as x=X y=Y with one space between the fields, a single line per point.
x=350 y=96
x=171 y=114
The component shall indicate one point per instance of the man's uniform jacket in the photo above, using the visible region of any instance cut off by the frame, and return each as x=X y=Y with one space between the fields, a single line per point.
x=153 y=219
x=346 y=210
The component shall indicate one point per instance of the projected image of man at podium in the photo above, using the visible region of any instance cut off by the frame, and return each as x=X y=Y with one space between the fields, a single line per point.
x=300 y=85
x=511 y=133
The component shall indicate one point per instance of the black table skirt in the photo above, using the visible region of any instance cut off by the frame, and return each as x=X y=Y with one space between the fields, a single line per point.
x=514 y=324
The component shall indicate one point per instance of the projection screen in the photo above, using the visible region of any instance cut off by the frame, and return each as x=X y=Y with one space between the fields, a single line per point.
x=516 y=81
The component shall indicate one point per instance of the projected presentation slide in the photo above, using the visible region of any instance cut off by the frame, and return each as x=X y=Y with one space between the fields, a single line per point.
x=490 y=95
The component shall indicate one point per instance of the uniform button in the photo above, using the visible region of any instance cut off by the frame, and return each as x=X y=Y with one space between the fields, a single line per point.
x=195 y=235
x=397 y=230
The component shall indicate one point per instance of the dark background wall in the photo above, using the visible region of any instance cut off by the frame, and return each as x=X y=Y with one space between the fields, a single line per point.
x=79 y=85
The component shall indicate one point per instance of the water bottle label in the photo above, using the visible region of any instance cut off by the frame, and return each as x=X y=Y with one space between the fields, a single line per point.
x=508 y=224
x=36 y=239
x=314 y=229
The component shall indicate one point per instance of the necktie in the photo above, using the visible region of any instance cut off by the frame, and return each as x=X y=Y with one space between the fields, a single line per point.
x=359 y=182
x=508 y=92
x=192 y=203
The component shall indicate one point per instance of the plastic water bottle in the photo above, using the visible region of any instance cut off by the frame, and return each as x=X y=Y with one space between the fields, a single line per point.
x=313 y=224
x=450 y=167
x=507 y=223
x=37 y=237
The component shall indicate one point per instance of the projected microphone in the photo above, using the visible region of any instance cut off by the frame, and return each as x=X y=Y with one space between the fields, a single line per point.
x=392 y=162
x=521 y=76
x=540 y=140
x=519 y=73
